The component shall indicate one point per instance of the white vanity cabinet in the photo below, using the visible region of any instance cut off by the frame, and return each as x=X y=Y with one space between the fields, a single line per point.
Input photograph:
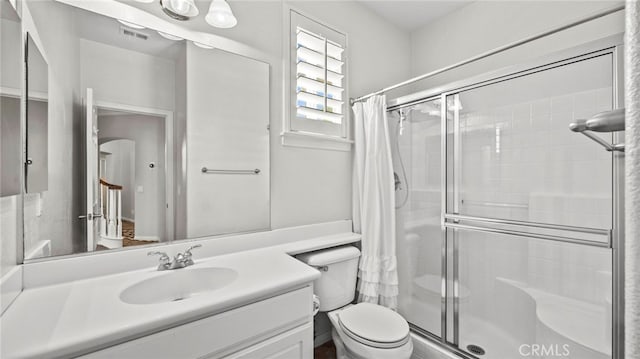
x=277 y=327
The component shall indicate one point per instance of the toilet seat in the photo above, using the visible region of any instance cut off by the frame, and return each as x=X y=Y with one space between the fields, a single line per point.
x=374 y=325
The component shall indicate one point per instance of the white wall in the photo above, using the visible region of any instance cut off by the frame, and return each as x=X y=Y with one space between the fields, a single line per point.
x=10 y=180
x=227 y=119
x=127 y=77
x=311 y=186
x=53 y=214
x=10 y=146
x=148 y=133
x=10 y=77
x=37 y=175
x=10 y=56
x=8 y=233
x=180 y=146
x=484 y=25
x=307 y=186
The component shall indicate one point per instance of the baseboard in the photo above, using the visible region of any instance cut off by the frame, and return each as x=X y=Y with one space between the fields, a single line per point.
x=321 y=338
x=10 y=287
x=128 y=219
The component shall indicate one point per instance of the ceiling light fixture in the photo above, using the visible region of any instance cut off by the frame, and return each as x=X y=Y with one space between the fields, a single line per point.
x=169 y=36
x=130 y=24
x=203 y=46
x=220 y=15
x=179 y=9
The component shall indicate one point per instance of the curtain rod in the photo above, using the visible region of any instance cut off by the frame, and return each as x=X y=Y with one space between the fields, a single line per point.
x=497 y=50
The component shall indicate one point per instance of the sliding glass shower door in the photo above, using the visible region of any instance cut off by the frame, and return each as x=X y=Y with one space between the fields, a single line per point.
x=417 y=159
x=508 y=223
x=529 y=214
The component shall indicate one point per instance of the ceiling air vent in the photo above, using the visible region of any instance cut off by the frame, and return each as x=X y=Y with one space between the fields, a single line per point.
x=127 y=32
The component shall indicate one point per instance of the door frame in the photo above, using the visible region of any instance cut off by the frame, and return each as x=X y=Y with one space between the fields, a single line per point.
x=168 y=154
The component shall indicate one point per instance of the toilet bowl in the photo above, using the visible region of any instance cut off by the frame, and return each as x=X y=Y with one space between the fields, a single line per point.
x=363 y=330
x=370 y=331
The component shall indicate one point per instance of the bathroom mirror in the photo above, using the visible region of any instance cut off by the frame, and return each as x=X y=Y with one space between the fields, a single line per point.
x=151 y=137
x=37 y=173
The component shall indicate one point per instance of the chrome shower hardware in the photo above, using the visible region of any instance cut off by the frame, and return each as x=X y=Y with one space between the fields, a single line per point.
x=609 y=121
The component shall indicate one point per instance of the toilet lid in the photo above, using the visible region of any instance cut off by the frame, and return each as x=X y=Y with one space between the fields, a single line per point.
x=374 y=325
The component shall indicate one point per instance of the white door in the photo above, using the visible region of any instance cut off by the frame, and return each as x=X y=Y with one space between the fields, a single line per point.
x=93 y=208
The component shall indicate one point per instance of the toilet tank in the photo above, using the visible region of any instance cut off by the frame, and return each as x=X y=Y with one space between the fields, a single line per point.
x=338 y=267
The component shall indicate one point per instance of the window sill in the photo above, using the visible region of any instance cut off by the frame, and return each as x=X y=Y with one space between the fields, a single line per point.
x=315 y=141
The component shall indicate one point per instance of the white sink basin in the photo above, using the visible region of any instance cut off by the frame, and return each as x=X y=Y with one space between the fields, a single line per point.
x=177 y=285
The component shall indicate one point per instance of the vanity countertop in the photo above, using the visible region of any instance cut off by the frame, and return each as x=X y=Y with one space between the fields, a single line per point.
x=81 y=316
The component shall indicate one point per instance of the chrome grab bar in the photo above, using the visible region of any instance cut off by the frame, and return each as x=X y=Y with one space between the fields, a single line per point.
x=231 y=172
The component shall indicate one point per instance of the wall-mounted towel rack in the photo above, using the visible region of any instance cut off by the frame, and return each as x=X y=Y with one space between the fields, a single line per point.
x=609 y=121
x=231 y=172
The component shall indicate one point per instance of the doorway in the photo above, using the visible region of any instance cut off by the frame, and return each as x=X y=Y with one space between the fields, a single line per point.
x=134 y=177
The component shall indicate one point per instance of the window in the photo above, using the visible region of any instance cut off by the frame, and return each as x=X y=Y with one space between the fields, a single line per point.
x=317 y=83
x=318 y=78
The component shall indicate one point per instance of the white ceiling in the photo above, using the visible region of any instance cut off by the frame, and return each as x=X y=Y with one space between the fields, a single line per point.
x=412 y=15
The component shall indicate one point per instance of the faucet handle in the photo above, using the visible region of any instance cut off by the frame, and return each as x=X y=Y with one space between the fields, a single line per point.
x=164 y=258
x=187 y=253
x=161 y=254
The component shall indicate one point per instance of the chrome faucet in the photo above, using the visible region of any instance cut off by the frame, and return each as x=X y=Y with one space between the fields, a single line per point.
x=180 y=260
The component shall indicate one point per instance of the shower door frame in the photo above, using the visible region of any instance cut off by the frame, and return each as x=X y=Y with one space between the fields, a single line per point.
x=613 y=45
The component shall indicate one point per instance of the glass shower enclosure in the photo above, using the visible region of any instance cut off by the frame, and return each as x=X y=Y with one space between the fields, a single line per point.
x=508 y=224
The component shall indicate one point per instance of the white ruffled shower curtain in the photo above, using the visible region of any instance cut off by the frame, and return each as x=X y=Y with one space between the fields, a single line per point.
x=373 y=204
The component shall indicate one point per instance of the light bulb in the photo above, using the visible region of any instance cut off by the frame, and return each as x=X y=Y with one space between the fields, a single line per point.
x=180 y=6
x=220 y=15
x=186 y=8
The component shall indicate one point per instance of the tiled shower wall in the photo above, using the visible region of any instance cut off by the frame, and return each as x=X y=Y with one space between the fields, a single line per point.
x=531 y=167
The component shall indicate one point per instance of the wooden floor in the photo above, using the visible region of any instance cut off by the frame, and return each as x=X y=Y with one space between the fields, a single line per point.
x=128 y=230
x=325 y=351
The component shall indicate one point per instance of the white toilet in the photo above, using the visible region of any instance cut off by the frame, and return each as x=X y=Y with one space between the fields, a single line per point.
x=363 y=330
